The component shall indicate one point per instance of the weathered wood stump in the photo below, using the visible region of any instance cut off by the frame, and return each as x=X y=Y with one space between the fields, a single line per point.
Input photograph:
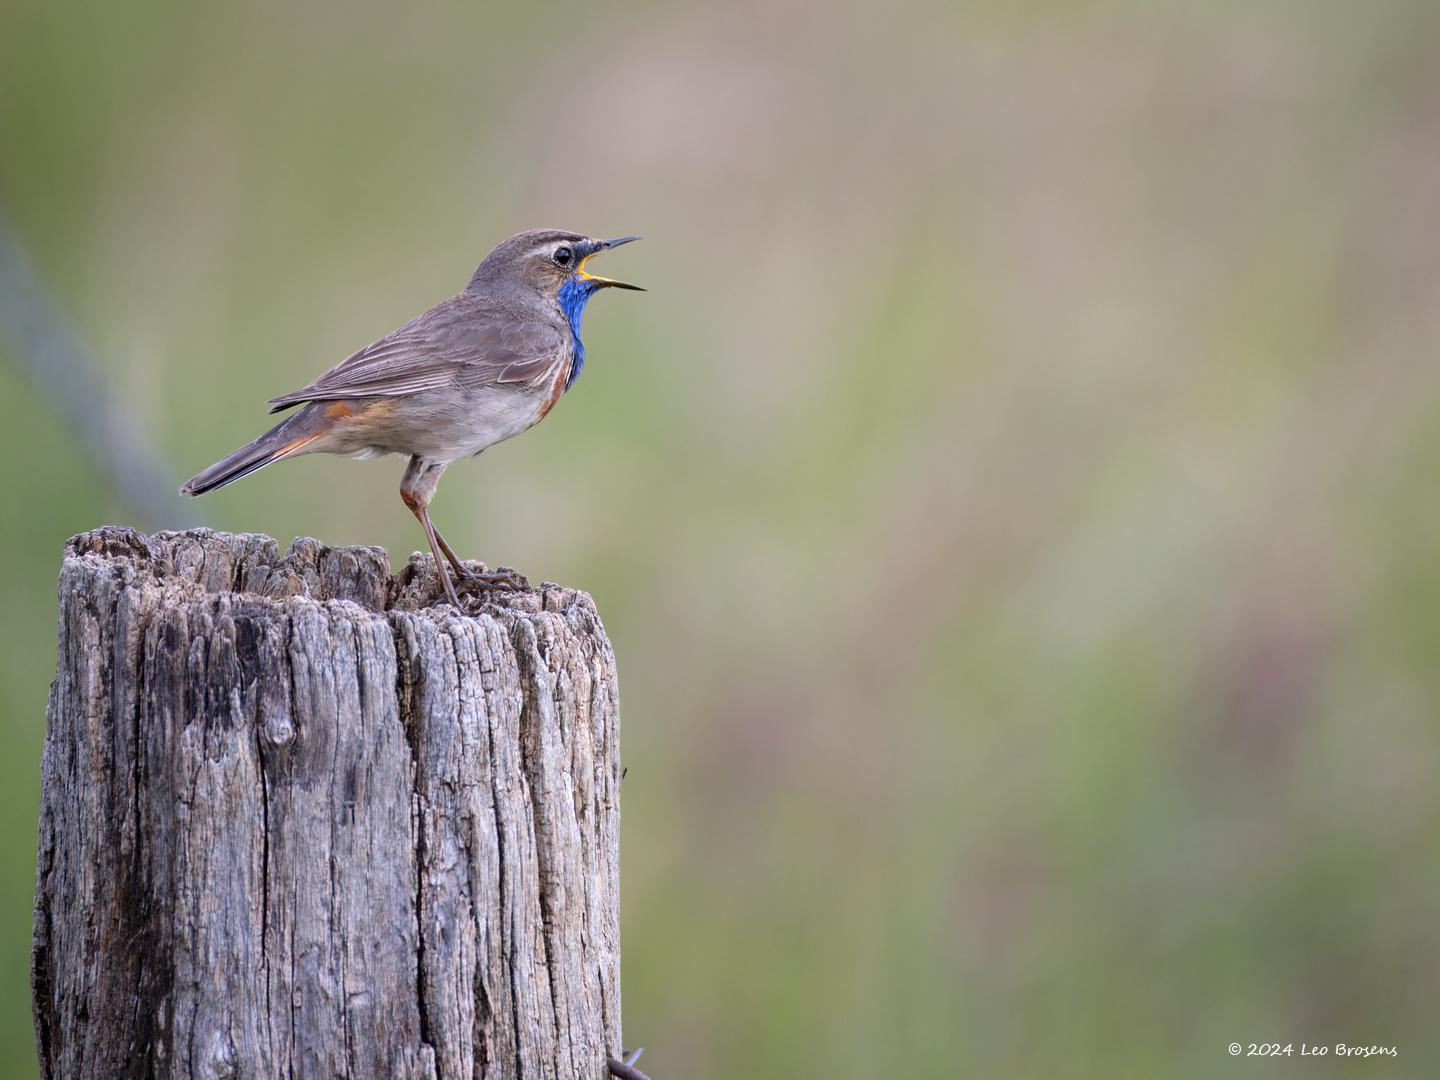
x=297 y=823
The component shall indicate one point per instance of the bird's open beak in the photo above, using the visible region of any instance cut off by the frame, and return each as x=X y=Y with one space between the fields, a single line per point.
x=605 y=282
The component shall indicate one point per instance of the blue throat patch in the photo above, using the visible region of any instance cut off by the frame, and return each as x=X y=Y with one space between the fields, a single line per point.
x=573 y=296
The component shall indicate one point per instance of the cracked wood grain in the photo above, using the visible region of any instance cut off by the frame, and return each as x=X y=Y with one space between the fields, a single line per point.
x=295 y=822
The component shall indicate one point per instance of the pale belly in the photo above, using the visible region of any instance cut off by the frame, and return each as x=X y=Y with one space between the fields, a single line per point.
x=441 y=425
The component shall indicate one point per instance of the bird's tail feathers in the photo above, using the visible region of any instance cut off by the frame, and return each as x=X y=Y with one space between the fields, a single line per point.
x=285 y=439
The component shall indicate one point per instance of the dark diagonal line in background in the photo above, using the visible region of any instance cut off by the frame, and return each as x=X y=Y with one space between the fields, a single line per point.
x=54 y=359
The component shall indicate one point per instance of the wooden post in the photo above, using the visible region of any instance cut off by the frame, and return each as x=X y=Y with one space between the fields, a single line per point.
x=296 y=824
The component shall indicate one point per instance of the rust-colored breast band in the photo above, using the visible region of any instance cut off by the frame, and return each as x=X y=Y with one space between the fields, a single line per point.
x=557 y=387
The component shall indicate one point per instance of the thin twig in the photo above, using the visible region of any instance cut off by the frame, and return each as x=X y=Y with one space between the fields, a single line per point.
x=625 y=1070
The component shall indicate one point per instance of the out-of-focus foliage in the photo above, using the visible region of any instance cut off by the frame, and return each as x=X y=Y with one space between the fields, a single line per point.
x=1014 y=505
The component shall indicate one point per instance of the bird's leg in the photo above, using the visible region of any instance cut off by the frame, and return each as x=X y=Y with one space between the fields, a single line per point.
x=451 y=595
x=417 y=488
x=450 y=556
x=500 y=579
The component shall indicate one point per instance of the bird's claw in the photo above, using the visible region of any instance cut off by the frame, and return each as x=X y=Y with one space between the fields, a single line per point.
x=505 y=580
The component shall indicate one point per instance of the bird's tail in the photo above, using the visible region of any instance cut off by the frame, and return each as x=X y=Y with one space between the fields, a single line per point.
x=290 y=436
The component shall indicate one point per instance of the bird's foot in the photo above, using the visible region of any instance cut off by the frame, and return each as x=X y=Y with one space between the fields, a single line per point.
x=504 y=579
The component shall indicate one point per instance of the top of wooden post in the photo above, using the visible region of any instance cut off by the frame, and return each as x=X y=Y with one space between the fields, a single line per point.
x=204 y=560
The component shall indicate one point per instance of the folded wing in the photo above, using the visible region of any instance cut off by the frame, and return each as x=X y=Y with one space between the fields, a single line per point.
x=452 y=344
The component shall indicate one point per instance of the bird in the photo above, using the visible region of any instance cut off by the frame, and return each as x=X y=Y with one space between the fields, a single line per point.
x=473 y=371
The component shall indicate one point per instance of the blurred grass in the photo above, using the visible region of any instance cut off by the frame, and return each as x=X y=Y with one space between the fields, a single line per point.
x=1013 y=506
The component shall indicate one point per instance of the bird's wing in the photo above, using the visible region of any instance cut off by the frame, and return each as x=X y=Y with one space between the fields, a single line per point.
x=449 y=345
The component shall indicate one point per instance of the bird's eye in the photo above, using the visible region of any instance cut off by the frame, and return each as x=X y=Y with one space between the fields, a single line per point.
x=563 y=255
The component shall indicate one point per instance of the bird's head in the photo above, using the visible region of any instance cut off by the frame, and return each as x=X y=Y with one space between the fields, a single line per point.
x=551 y=262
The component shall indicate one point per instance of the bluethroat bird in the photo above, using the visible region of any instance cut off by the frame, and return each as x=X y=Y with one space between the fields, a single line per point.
x=472 y=371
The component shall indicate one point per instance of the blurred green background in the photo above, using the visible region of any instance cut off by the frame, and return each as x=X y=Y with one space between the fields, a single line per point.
x=1014 y=506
